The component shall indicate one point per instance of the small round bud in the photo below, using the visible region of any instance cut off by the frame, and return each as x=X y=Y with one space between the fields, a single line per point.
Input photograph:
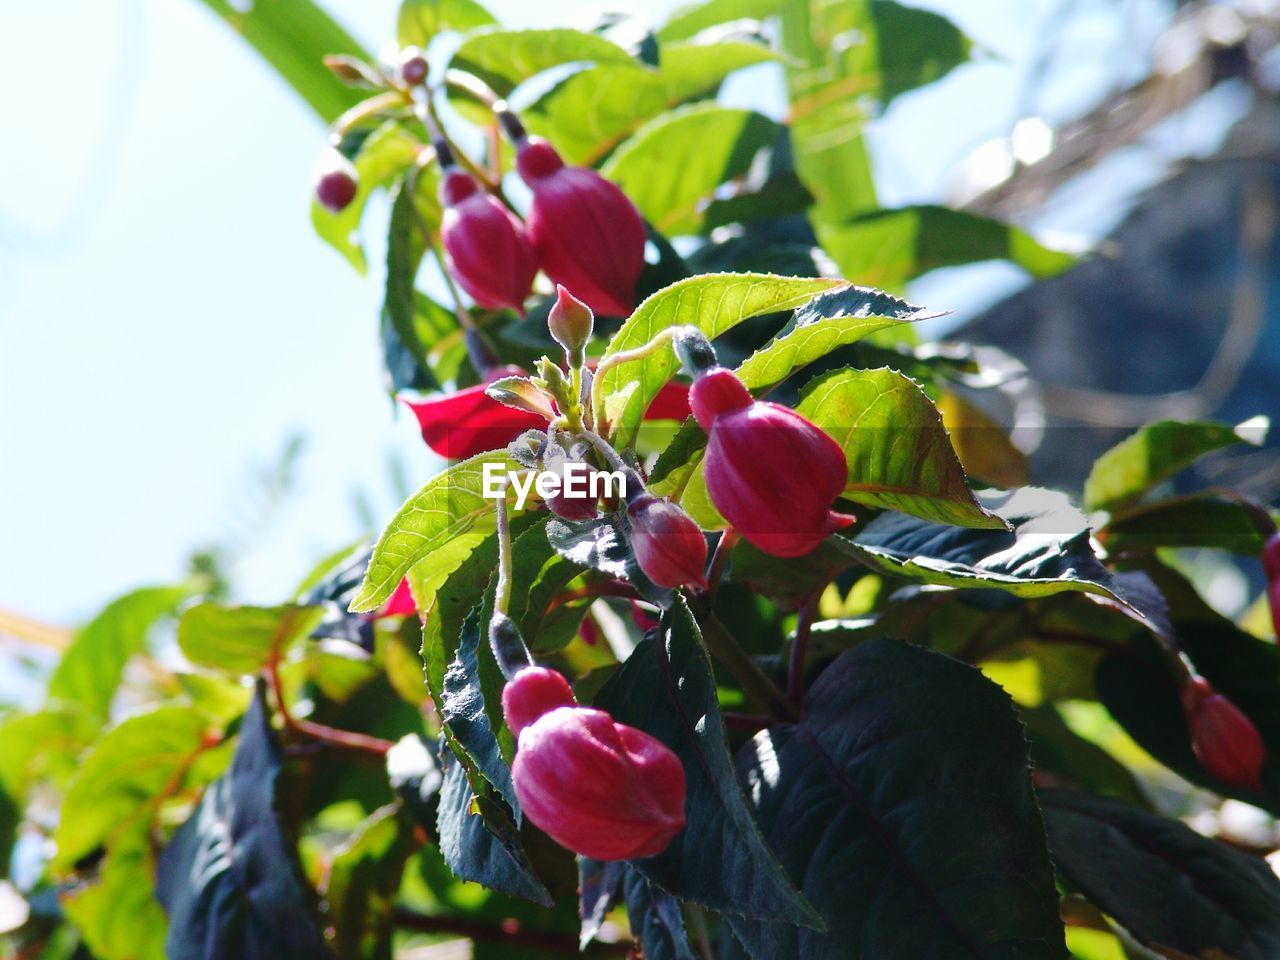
x=532 y=692
x=413 y=66
x=570 y=322
x=669 y=546
x=336 y=181
x=1225 y=741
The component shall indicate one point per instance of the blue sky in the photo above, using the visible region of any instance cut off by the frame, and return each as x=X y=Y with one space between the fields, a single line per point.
x=168 y=319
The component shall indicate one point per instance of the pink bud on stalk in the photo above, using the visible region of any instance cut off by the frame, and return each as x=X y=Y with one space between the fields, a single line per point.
x=489 y=252
x=588 y=234
x=1225 y=742
x=336 y=181
x=599 y=788
x=669 y=546
x=769 y=471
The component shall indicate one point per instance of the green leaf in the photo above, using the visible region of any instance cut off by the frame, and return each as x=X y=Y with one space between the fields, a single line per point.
x=118 y=915
x=890 y=247
x=125 y=775
x=667 y=689
x=464 y=715
x=542 y=574
x=898 y=452
x=478 y=838
x=91 y=667
x=407 y=332
x=294 y=36
x=1047 y=551
x=241 y=640
x=902 y=805
x=673 y=164
x=656 y=919
x=1215 y=520
x=592 y=111
x=506 y=58
x=1169 y=887
x=43 y=746
x=364 y=881
x=420 y=20
x=440 y=524
x=384 y=155
x=694 y=18
x=714 y=303
x=1155 y=453
x=229 y=880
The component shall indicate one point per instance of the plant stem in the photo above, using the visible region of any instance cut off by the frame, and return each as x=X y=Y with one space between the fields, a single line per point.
x=613 y=588
x=720 y=562
x=502 y=590
x=660 y=340
x=754 y=681
x=800 y=649
x=346 y=739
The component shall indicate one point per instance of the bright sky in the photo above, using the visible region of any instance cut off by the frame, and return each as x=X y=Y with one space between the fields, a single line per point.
x=168 y=319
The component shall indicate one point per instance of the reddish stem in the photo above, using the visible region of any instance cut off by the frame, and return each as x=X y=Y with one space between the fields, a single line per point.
x=346 y=739
x=611 y=588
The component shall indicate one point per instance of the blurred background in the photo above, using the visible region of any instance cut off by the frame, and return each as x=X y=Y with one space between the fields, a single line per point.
x=188 y=374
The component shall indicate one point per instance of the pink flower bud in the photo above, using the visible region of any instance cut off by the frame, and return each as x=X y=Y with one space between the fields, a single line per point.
x=670 y=548
x=769 y=471
x=336 y=181
x=1225 y=742
x=489 y=252
x=602 y=789
x=461 y=424
x=413 y=66
x=570 y=322
x=589 y=235
x=1271 y=557
x=531 y=693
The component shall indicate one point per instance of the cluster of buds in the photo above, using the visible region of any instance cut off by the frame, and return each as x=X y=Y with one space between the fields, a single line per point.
x=597 y=787
x=1225 y=742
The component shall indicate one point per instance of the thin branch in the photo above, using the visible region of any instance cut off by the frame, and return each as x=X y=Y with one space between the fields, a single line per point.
x=346 y=739
x=800 y=648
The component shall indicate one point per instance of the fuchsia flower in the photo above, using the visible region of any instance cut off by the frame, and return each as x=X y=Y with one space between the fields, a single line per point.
x=599 y=788
x=1225 y=742
x=489 y=252
x=336 y=181
x=463 y=424
x=769 y=471
x=669 y=546
x=399 y=604
x=588 y=234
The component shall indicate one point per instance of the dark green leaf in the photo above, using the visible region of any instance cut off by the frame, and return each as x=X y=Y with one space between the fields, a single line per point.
x=10 y=819
x=714 y=303
x=592 y=111
x=404 y=349
x=464 y=715
x=1200 y=520
x=599 y=887
x=902 y=804
x=542 y=574
x=656 y=919
x=667 y=689
x=673 y=164
x=1169 y=887
x=478 y=837
x=1047 y=551
x=90 y=669
x=241 y=640
x=126 y=772
x=601 y=545
x=228 y=879
x=1056 y=749
x=420 y=20
x=1157 y=452
x=294 y=36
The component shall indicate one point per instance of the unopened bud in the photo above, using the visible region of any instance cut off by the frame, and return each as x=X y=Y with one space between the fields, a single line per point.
x=570 y=322
x=669 y=546
x=413 y=66
x=336 y=181
x=1225 y=742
